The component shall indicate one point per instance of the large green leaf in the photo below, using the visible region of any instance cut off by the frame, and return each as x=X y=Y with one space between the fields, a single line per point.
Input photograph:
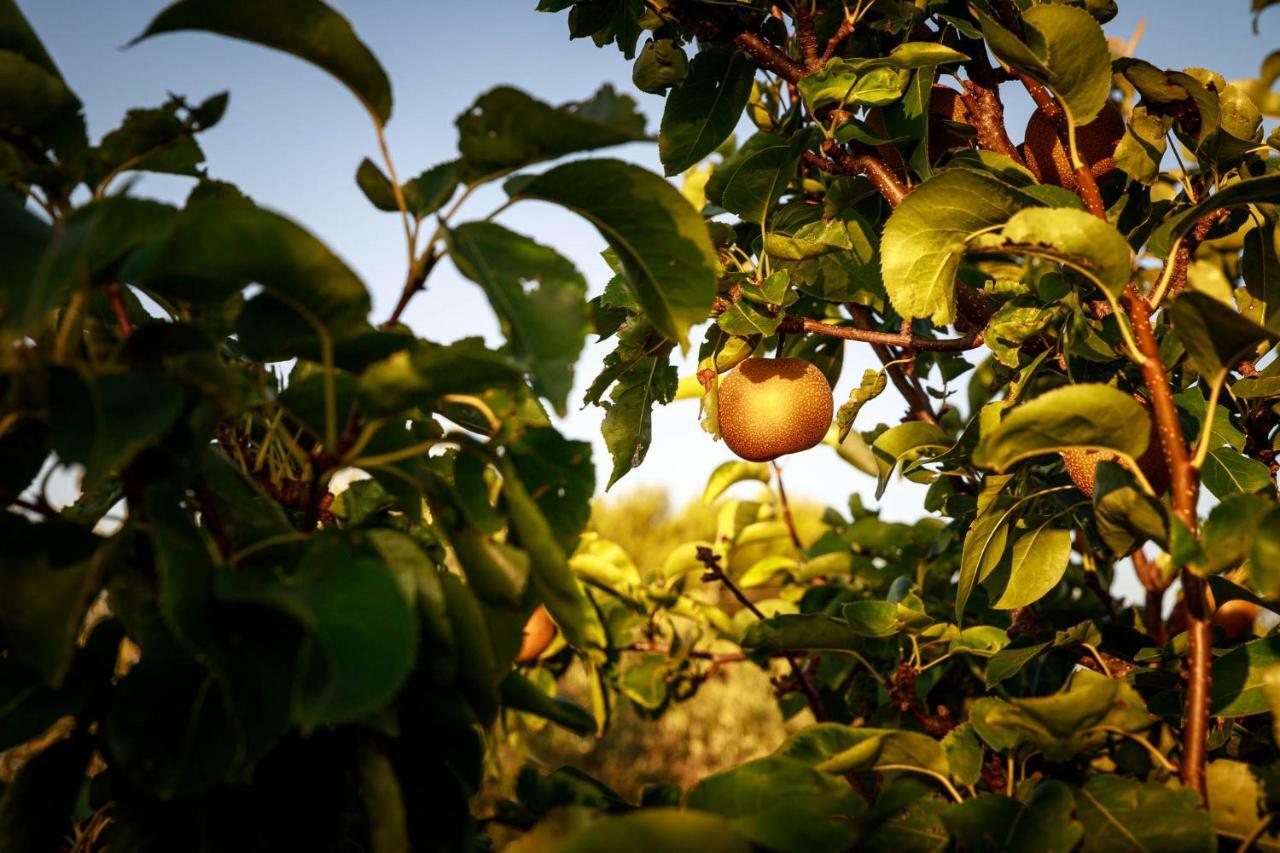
x=102 y=421
x=1227 y=472
x=308 y=29
x=51 y=573
x=34 y=97
x=781 y=803
x=703 y=111
x=1077 y=238
x=522 y=694
x=1260 y=189
x=218 y=247
x=1038 y=561
x=359 y=663
x=1065 y=49
x=655 y=829
x=505 y=130
x=23 y=240
x=1046 y=823
x=760 y=177
x=661 y=242
x=1128 y=816
x=1085 y=415
x=928 y=233
x=421 y=374
x=538 y=296
x=1238 y=686
x=1215 y=334
x=17 y=35
x=801 y=632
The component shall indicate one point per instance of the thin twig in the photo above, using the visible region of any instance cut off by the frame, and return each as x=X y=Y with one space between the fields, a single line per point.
x=786 y=505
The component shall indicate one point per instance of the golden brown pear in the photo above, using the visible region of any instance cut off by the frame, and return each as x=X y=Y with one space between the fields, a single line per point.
x=946 y=103
x=538 y=632
x=1047 y=157
x=1082 y=463
x=1235 y=618
x=773 y=406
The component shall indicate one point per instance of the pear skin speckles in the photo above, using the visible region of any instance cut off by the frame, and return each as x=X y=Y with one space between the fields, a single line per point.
x=770 y=407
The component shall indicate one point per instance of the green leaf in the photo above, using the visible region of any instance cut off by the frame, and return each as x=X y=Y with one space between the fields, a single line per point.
x=23 y=241
x=1260 y=268
x=1085 y=415
x=1122 y=815
x=1215 y=334
x=1264 y=553
x=52 y=573
x=505 y=130
x=171 y=729
x=984 y=548
x=892 y=445
x=376 y=186
x=780 y=803
x=1046 y=822
x=1079 y=239
x=1227 y=472
x=383 y=800
x=156 y=140
x=628 y=423
x=307 y=29
x=552 y=577
x=1238 y=683
x=836 y=260
x=729 y=473
x=872 y=385
x=1065 y=49
x=1074 y=720
x=560 y=474
x=432 y=189
x=702 y=112
x=218 y=247
x=1039 y=560
x=35 y=97
x=964 y=755
x=361 y=662
x=520 y=694
x=539 y=298
x=17 y=35
x=427 y=371
x=477 y=674
x=1260 y=189
x=656 y=829
x=928 y=234
x=103 y=421
x=762 y=176
x=1142 y=147
x=801 y=632
x=661 y=242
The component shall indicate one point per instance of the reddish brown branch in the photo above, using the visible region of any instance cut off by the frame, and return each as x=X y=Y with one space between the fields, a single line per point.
x=794 y=325
x=833 y=44
x=806 y=38
x=416 y=281
x=876 y=170
x=917 y=399
x=986 y=114
x=116 y=298
x=769 y=57
x=786 y=506
x=1185 y=487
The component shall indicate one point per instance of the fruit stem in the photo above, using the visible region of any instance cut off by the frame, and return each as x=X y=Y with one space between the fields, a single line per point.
x=786 y=505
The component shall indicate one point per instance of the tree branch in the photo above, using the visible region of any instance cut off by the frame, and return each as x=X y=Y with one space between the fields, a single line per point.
x=921 y=408
x=843 y=163
x=833 y=44
x=1185 y=487
x=769 y=57
x=806 y=38
x=794 y=325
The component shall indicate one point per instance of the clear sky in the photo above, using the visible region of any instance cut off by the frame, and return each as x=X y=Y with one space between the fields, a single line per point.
x=292 y=139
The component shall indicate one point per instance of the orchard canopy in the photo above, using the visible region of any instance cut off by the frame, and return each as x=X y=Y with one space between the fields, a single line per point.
x=343 y=561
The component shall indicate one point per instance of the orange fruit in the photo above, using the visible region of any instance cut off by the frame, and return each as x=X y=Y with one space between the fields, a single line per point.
x=538 y=633
x=1047 y=157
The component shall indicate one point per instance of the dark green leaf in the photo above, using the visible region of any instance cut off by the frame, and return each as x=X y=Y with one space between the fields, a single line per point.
x=927 y=235
x=308 y=29
x=661 y=242
x=1237 y=689
x=702 y=112
x=520 y=694
x=505 y=130
x=539 y=298
x=1122 y=815
x=427 y=371
x=376 y=186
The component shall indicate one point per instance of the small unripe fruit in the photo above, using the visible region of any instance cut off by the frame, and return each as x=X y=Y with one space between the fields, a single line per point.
x=1235 y=618
x=1082 y=463
x=538 y=633
x=1047 y=156
x=769 y=407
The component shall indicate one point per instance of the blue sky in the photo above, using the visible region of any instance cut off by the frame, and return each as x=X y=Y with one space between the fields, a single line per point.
x=292 y=139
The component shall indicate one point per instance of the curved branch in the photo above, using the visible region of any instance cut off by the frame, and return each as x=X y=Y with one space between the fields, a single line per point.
x=794 y=325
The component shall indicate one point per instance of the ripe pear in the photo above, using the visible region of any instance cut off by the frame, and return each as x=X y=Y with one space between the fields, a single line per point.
x=538 y=633
x=769 y=407
x=1082 y=463
x=946 y=103
x=1235 y=618
x=1047 y=156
